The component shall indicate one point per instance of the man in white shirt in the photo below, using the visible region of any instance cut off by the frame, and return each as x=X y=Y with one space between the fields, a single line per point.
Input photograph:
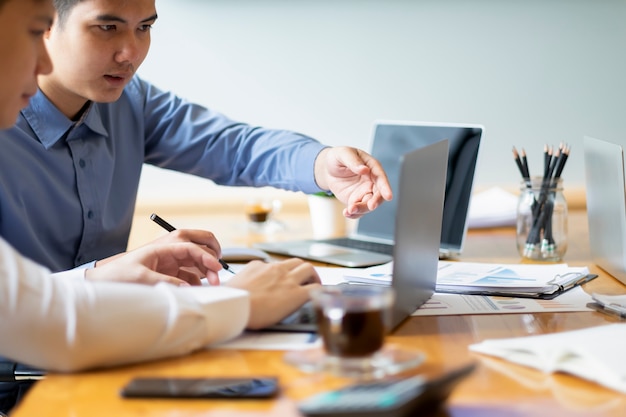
x=67 y=323
x=74 y=322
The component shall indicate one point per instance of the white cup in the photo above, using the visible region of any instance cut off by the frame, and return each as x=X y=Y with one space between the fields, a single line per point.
x=327 y=217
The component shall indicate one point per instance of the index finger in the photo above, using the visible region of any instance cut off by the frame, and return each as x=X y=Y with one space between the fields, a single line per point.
x=202 y=238
x=379 y=178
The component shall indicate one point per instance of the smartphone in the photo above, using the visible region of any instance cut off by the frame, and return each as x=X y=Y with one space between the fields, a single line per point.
x=257 y=387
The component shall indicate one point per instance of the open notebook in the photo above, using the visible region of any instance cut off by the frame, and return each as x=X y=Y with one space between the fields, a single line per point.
x=595 y=353
x=372 y=242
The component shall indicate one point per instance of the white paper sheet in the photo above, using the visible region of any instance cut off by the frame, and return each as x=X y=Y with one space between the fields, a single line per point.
x=493 y=207
x=272 y=341
x=595 y=353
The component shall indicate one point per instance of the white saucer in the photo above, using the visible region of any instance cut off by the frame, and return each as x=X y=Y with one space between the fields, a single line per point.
x=389 y=360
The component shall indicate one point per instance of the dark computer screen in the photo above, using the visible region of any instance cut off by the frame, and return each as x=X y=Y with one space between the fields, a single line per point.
x=392 y=140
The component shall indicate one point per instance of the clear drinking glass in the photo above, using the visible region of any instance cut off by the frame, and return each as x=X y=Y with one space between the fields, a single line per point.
x=261 y=212
x=353 y=321
x=542 y=220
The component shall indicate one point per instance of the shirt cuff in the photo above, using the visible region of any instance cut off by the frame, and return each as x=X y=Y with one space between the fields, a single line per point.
x=306 y=177
x=88 y=265
x=226 y=310
x=76 y=274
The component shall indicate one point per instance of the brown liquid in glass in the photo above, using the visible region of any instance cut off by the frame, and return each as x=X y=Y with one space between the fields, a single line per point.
x=362 y=333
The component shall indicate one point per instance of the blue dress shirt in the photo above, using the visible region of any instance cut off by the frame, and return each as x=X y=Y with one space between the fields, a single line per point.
x=68 y=189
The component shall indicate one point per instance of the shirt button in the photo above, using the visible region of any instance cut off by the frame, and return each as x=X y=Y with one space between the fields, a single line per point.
x=82 y=163
x=90 y=214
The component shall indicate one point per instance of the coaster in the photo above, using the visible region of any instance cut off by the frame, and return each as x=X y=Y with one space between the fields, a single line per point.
x=389 y=360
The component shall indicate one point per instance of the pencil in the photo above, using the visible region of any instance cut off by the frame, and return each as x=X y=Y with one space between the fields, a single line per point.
x=547 y=156
x=542 y=206
x=525 y=165
x=158 y=220
x=561 y=164
x=520 y=166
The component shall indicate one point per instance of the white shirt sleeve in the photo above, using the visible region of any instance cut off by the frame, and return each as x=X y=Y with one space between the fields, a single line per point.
x=62 y=324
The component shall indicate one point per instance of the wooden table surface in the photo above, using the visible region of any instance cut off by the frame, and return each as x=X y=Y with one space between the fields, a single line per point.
x=496 y=388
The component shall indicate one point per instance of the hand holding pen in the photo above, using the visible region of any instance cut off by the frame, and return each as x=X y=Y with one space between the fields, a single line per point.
x=165 y=225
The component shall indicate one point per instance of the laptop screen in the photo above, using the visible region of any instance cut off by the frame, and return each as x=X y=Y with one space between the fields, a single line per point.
x=393 y=139
x=606 y=205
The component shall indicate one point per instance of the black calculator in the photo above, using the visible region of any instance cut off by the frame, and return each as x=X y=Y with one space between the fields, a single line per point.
x=388 y=398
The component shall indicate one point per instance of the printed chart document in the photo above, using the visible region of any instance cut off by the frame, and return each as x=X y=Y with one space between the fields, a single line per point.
x=443 y=304
x=515 y=280
x=595 y=354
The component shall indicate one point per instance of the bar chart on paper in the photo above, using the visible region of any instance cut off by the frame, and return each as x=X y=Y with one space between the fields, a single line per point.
x=452 y=304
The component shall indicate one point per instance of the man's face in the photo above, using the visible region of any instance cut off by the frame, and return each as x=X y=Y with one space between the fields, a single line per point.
x=23 y=54
x=96 y=51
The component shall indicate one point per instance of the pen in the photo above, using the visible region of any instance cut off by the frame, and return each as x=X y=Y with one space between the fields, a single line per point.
x=158 y=220
x=607 y=309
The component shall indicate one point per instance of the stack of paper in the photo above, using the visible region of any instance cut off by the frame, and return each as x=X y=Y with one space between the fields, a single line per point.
x=530 y=280
x=595 y=354
x=493 y=207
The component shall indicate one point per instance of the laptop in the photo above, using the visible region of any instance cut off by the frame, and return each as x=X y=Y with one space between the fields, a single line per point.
x=372 y=242
x=606 y=205
x=417 y=234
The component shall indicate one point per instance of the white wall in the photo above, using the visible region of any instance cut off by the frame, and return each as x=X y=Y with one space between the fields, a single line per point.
x=533 y=71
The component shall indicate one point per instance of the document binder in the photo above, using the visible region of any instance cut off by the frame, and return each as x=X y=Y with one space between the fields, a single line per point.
x=546 y=293
x=508 y=280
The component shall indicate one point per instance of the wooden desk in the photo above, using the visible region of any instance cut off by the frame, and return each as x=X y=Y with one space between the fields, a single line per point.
x=496 y=388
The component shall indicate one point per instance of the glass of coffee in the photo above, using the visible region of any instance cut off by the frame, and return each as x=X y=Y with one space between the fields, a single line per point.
x=260 y=212
x=352 y=321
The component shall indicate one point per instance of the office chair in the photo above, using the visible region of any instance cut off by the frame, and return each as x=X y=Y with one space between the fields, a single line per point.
x=15 y=381
x=15 y=372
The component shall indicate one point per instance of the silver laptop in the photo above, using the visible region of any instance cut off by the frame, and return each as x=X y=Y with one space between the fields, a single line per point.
x=417 y=232
x=606 y=205
x=372 y=242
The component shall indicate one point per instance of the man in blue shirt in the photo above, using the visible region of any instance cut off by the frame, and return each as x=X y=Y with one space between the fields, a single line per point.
x=71 y=166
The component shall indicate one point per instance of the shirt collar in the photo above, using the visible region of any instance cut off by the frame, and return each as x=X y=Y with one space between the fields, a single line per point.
x=50 y=125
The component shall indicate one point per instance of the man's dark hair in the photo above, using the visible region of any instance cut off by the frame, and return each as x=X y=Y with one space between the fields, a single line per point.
x=63 y=8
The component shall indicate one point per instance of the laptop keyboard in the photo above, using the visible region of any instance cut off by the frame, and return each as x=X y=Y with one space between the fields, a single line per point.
x=361 y=244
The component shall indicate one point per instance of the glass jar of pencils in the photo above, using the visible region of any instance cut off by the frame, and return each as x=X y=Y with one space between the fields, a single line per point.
x=542 y=220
